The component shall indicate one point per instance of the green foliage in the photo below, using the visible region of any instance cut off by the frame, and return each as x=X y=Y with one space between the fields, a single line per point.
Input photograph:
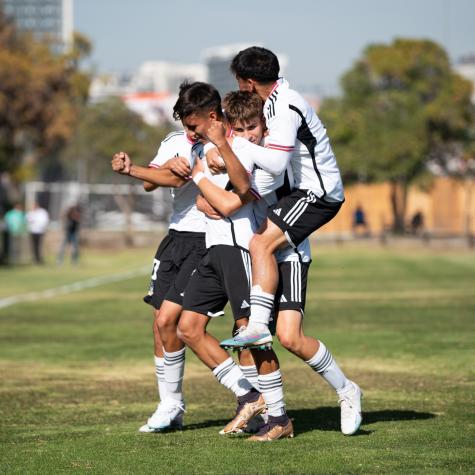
x=40 y=95
x=401 y=104
x=78 y=377
x=103 y=129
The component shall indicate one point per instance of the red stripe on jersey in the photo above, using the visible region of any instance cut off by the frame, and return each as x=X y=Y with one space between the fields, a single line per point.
x=275 y=86
x=285 y=148
x=255 y=193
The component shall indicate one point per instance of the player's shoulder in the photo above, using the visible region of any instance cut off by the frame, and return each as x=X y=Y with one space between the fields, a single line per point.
x=176 y=136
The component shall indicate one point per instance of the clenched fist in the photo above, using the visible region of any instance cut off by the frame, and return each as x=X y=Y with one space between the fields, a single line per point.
x=121 y=163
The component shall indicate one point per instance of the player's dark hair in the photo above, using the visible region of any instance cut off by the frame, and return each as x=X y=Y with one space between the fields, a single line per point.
x=256 y=63
x=196 y=97
x=242 y=106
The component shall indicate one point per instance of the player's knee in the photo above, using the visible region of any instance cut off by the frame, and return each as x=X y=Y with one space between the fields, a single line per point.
x=187 y=331
x=166 y=323
x=257 y=244
x=289 y=341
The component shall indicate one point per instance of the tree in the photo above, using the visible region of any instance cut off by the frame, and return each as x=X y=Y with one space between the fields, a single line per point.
x=103 y=129
x=40 y=96
x=402 y=104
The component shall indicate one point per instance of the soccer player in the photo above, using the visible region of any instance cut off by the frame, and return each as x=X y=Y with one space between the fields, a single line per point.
x=244 y=112
x=176 y=258
x=224 y=274
x=296 y=136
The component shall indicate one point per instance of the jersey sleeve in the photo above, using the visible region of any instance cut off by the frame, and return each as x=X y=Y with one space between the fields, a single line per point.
x=164 y=153
x=280 y=142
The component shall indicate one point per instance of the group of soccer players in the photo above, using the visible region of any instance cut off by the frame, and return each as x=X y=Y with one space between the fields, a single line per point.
x=251 y=177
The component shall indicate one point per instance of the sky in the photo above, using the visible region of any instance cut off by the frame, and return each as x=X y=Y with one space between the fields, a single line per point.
x=321 y=39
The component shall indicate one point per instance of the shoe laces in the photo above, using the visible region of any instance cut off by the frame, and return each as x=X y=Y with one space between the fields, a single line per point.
x=239 y=330
x=346 y=404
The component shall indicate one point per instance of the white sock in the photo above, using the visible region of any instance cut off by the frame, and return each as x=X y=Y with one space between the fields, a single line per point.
x=159 y=372
x=229 y=375
x=323 y=363
x=174 y=369
x=250 y=373
x=262 y=304
x=273 y=392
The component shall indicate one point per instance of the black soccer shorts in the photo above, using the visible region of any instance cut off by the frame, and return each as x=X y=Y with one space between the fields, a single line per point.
x=176 y=258
x=301 y=213
x=223 y=275
x=291 y=292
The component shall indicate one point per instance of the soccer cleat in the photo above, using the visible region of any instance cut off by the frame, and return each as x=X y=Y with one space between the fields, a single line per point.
x=256 y=423
x=274 y=431
x=244 y=413
x=168 y=416
x=350 y=404
x=246 y=337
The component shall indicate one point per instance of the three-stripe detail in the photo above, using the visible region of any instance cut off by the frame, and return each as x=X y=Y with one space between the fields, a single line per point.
x=324 y=362
x=299 y=208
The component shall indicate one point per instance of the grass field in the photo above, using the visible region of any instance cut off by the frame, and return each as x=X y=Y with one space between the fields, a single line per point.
x=77 y=377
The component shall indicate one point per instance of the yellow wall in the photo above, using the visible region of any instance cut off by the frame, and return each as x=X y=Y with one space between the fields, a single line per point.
x=444 y=207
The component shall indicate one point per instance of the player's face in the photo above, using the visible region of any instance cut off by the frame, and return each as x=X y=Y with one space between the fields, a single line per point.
x=197 y=124
x=252 y=130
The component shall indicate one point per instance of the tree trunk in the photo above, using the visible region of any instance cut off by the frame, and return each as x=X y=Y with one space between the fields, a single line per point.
x=468 y=218
x=398 y=204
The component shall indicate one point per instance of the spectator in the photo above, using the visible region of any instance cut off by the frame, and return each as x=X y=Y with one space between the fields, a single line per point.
x=359 y=222
x=37 y=219
x=417 y=223
x=71 y=234
x=15 y=223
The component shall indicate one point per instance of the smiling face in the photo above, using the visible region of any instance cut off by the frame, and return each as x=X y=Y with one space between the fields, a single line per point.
x=197 y=123
x=252 y=130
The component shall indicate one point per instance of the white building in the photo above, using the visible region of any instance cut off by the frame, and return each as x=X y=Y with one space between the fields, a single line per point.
x=466 y=68
x=44 y=18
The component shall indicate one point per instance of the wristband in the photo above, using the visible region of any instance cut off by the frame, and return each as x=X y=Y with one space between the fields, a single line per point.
x=198 y=177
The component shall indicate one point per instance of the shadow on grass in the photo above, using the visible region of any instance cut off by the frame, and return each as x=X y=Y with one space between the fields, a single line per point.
x=328 y=418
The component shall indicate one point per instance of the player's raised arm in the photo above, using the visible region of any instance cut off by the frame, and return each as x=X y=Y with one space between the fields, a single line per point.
x=238 y=175
x=171 y=174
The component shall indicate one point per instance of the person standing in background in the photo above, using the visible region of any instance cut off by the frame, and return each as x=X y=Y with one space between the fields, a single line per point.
x=71 y=233
x=15 y=223
x=37 y=221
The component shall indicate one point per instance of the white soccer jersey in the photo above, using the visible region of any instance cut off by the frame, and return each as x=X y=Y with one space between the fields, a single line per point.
x=185 y=215
x=237 y=229
x=297 y=136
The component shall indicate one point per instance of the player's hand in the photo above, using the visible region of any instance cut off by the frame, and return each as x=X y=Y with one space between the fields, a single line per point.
x=203 y=205
x=216 y=133
x=179 y=166
x=121 y=163
x=215 y=162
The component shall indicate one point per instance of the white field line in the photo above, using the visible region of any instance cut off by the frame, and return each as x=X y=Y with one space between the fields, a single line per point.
x=73 y=287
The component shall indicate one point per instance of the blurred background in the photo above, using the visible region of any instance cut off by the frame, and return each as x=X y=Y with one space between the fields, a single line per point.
x=80 y=80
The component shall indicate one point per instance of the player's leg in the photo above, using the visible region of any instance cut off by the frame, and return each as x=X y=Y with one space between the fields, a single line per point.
x=206 y=294
x=163 y=272
x=290 y=302
x=192 y=329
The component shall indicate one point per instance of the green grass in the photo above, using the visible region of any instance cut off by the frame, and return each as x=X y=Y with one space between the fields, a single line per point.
x=77 y=375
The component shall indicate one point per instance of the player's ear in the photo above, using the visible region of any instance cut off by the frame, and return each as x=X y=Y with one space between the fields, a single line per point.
x=213 y=115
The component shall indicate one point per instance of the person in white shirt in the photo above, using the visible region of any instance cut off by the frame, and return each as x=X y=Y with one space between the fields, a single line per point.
x=37 y=220
x=244 y=112
x=176 y=258
x=224 y=273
